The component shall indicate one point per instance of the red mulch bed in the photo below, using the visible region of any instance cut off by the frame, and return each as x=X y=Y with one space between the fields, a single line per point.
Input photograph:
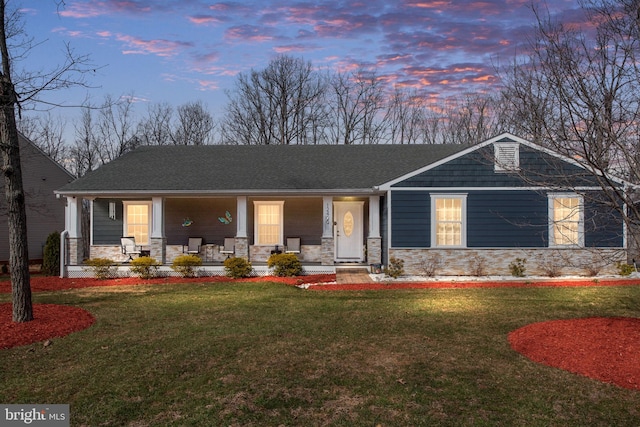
x=606 y=349
x=49 y=321
x=603 y=348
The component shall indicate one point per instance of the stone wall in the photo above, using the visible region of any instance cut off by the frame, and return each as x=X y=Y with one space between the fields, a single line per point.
x=496 y=262
x=374 y=250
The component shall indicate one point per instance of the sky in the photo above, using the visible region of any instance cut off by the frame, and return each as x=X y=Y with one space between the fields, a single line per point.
x=180 y=51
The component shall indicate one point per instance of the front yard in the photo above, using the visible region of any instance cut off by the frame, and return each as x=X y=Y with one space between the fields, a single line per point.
x=271 y=354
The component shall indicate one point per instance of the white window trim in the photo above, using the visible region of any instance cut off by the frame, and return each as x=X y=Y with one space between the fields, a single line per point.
x=463 y=231
x=124 y=217
x=255 y=221
x=551 y=198
x=506 y=164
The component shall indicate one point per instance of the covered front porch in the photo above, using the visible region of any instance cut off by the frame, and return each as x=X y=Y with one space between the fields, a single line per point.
x=334 y=230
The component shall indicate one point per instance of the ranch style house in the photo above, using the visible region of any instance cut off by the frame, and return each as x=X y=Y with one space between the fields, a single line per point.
x=455 y=209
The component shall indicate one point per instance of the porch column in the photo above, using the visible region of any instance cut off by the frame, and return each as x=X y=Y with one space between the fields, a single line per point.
x=241 y=241
x=374 y=241
x=73 y=223
x=327 y=257
x=158 y=241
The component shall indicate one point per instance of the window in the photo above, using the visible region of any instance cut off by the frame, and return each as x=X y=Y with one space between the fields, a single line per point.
x=566 y=220
x=506 y=156
x=137 y=221
x=268 y=223
x=448 y=220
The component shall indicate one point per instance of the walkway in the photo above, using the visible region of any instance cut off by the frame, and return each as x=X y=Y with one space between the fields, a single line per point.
x=352 y=275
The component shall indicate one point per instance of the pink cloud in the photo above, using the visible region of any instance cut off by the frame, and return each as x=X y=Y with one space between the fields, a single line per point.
x=208 y=85
x=158 y=47
x=250 y=33
x=204 y=20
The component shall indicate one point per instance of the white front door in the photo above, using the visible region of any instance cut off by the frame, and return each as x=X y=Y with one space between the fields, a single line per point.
x=348 y=231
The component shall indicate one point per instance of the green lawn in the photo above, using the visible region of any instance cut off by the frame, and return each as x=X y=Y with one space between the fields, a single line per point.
x=265 y=354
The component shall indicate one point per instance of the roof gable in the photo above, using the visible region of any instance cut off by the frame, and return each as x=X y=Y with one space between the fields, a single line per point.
x=475 y=167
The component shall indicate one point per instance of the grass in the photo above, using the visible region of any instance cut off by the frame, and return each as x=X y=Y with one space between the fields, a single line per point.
x=263 y=354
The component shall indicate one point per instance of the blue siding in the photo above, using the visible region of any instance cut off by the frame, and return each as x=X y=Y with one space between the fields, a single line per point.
x=499 y=219
x=603 y=226
x=507 y=219
x=410 y=213
x=476 y=169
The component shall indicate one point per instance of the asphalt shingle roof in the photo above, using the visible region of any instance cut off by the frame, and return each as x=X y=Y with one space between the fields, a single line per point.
x=226 y=168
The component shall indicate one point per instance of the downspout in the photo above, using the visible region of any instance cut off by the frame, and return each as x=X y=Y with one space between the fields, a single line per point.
x=63 y=253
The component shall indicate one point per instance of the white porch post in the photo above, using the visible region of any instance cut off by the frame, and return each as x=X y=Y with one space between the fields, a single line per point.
x=241 y=240
x=157 y=241
x=374 y=241
x=327 y=231
x=73 y=220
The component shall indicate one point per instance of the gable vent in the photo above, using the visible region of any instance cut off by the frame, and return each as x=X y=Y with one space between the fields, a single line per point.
x=507 y=157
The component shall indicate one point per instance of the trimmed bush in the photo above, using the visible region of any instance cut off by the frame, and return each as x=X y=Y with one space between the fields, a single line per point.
x=102 y=268
x=285 y=265
x=145 y=267
x=237 y=267
x=625 y=269
x=517 y=267
x=51 y=255
x=185 y=265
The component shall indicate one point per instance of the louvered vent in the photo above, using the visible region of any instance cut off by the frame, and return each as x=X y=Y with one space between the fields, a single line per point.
x=507 y=157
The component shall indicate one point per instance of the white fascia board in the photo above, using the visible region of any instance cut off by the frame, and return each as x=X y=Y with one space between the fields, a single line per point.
x=223 y=193
x=456 y=189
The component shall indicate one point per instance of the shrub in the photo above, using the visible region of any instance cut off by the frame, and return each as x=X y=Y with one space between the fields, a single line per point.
x=51 y=255
x=103 y=268
x=186 y=265
x=517 y=267
x=478 y=266
x=431 y=265
x=625 y=269
x=395 y=268
x=552 y=266
x=145 y=267
x=237 y=267
x=285 y=265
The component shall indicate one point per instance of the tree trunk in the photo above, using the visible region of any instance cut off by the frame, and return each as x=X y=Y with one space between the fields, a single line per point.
x=17 y=218
x=14 y=191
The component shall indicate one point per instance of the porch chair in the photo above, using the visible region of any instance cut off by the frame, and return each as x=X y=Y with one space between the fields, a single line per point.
x=293 y=245
x=229 y=247
x=129 y=247
x=193 y=246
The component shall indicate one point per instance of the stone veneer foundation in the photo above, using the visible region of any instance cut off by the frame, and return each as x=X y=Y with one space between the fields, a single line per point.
x=495 y=262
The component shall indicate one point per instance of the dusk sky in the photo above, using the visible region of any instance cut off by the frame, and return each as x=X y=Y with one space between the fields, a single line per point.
x=178 y=51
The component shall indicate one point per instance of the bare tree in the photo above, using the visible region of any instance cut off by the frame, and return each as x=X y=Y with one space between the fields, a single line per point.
x=194 y=125
x=470 y=119
x=277 y=105
x=85 y=149
x=155 y=128
x=405 y=116
x=47 y=133
x=115 y=128
x=15 y=92
x=356 y=106
x=579 y=88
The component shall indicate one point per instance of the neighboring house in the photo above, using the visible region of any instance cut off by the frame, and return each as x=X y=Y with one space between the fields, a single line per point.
x=45 y=212
x=457 y=208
